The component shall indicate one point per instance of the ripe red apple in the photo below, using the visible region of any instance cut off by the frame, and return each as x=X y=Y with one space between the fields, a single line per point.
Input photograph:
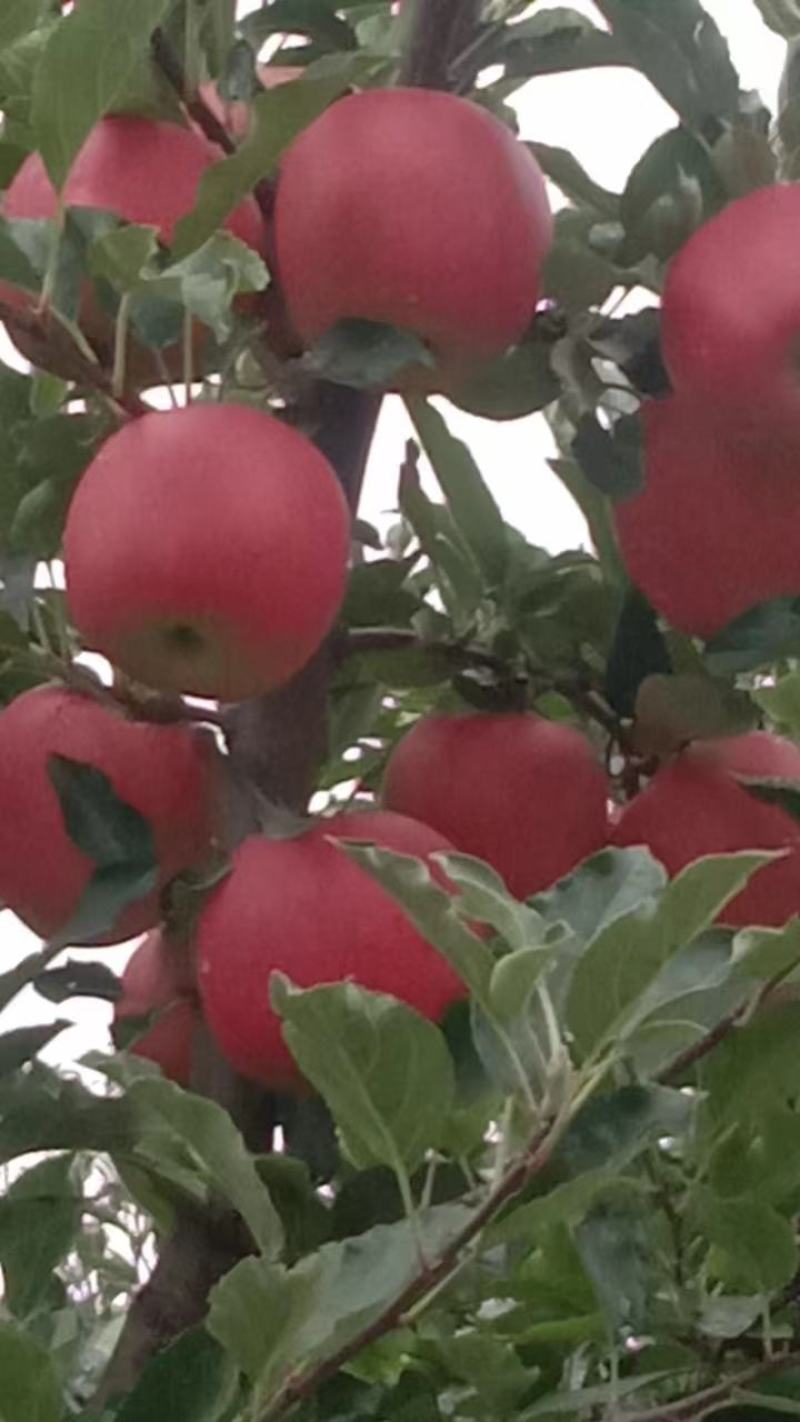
x=694 y=806
x=144 y=171
x=417 y=209
x=301 y=906
x=731 y=309
x=716 y=528
x=206 y=550
x=525 y=794
x=167 y=773
x=152 y=982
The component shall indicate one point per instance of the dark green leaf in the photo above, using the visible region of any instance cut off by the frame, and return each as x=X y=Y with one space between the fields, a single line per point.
x=316 y=18
x=78 y=979
x=30 y=1389
x=671 y=710
x=384 y=1071
x=615 y=1243
x=781 y=701
x=557 y=40
x=637 y=651
x=763 y=634
x=611 y=459
x=193 y=1380
x=39 y=1216
x=782 y=16
x=471 y=503
x=669 y=192
x=365 y=354
x=575 y=276
x=606 y=888
x=39 y=1110
x=563 y=168
x=21 y=1043
x=85 y=65
x=758 y=1247
x=513 y=385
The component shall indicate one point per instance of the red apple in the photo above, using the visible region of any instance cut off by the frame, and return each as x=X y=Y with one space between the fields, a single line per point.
x=731 y=310
x=525 y=794
x=301 y=906
x=694 y=806
x=716 y=528
x=206 y=550
x=417 y=209
x=153 y=983
x=146 y=172
x=167 y=773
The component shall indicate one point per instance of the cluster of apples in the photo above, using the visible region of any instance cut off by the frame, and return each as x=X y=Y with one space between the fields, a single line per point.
x=206 y=550
x=716 y=528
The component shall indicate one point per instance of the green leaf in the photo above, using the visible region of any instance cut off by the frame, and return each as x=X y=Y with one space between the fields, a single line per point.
x=86 y=63
x=596 y=510
x=482 y=895
x=576 y=276
x=671 y=710
x=555 y=41
x=30 y=1389
x=278 y=116
x=611 y=459
x=18 y=17
x=458 y=575
x=193 y=1380
x=175 y=1121
x=765 y=633
x=384 y=1071
x=781 y=702
x=615 y=1243
x=669 y=192
x=627 y=956
x=21 y=1043
x=315 y=18
x=367 y=355
x=604 y=889
x=78 y=979
x=782 y=16
x=40 y=1110
x=468 y=497
x=563 y=169
x=431 y=909
x=39 y=1217
x=517 y=383
x=758 y=1249
x=637 y=651
x=114 y=835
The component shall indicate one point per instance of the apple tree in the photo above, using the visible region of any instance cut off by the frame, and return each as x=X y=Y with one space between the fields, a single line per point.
x=455 y=1068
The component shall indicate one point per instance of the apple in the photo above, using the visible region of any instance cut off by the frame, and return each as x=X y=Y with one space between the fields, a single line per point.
x=417 y=209
x=301 y=906
x=694 y=806
x=206 y=550
x=167 y=773
x=145 y=171
x=153 y=983
x=520 y=792
x=715 y=529
x=731 y=307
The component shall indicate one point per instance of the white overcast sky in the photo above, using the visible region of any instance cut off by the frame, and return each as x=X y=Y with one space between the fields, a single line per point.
x=607 y=118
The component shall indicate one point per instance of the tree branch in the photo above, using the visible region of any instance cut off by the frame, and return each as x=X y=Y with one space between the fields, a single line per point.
x=170 y=65
x=694 y=1408
x=47 y=344
x=441 y=31
x=299 y=1388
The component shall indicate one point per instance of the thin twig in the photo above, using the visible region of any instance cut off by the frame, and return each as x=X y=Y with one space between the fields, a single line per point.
x=689 y=1057
x=694 y=1408
x=171 y=67
x=45 y=341
x=298 y=1388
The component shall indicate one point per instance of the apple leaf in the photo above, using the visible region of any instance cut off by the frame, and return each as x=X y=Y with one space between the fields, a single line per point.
x=384 y=1071
x=193 y=1380
x=782 y=16
x=22 y=1043
x=765 y=633
x=611 y=459
x=114 y=835
x=365 y=354
x=513 y=385
x=78 y=979
x=39 y=1216
x=31 y=1391
x=86 y=63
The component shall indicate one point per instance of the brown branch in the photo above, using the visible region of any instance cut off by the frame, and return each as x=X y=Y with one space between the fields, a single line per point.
x=441 y=31
x=170 y=65
x=690 y=1056
x=694 y=1408
x=299 y=1388
x=47 y=344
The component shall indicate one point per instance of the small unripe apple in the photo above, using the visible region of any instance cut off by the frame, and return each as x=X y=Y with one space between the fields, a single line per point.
x=153 y=983
x=695 y=806
x=713 y=531
x=206 y=550
x=302 y=907
x=167 y=773
x=416 y=209
x=731 y=308
x=144 y=171
x=525 y=794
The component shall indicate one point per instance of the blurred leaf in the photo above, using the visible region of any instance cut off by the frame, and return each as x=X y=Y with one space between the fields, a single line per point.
x=458 y=576
x=78 y=978
x=627 y=956
x=482 y=895
x=611 y=459
x=365 y=354
x=114 y=835
x=39 y=1110
x=633 y=343
x=31 y=1392
x=765 y=633
x=595 y=508
x=669 y=192
x=376 y=595
x=638 y=651
x=555 y=41
x=758 y=1247
x=782 y=16
x=563 y=168
x=602 y=890
x=575 y=276
x=781 y=701
x=192 y=1380
x=315 y=18
x=384 y=1071
x=671 y=710
x=21 y=1043
x=39 y=1217
x=278 y=116
x=615 y=1242
x=18 y=17
x=469 y=499
x=85 y=65
x=515 y=384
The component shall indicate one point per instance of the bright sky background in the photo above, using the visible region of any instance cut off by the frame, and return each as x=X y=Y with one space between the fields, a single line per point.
x=607 y=118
